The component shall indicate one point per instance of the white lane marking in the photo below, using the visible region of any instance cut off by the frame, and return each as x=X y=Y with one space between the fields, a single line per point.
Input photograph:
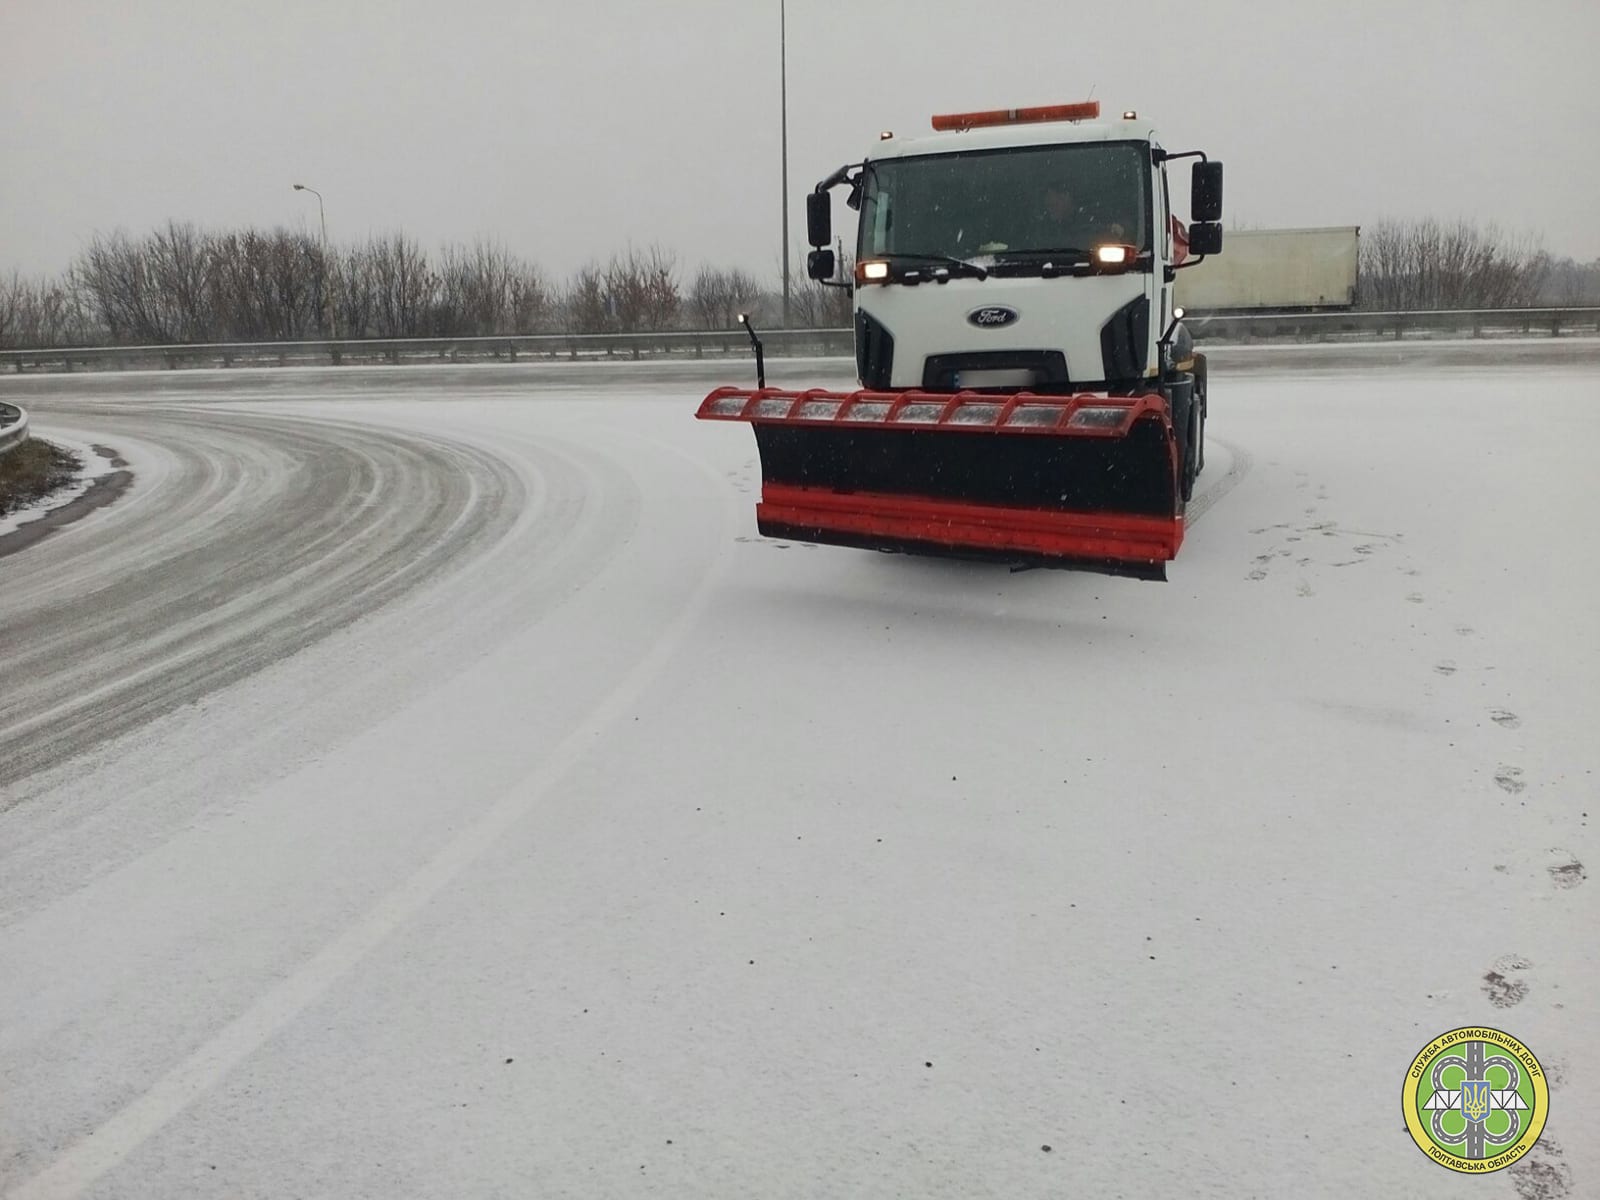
x=104 y=1147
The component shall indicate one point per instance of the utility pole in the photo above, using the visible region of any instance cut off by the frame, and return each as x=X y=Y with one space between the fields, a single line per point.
x=783 y=88
x=327 y=261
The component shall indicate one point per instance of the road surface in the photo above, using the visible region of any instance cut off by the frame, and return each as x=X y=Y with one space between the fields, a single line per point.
x=425 y=782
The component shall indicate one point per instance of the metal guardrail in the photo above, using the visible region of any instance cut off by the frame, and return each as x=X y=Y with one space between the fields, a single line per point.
x=13 y=427
x=1354 y=323
x=1302 y=326
x=506 y=347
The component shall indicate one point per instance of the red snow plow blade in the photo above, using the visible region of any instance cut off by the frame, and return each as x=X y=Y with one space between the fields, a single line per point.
x=1081 y=482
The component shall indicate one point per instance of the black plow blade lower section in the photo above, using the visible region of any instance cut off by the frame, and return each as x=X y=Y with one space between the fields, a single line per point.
x=1070 y=501
x=1130 y=474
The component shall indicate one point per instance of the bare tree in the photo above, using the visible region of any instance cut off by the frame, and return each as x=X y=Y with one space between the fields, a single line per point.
x=40 y=313
x=11 y=306
x=663 y=299
x=116 y=277
x=472 y=290
x=1430 y=264
x=403 y=288
x=816 y=305
x=350 y=276
x=484 y=289
x=531 y=305
x=237 y=286
x=708 y=297
x=180 y=267
x=1572 y=284
x=641 y=290
x=584 y=305
x=265 y=286
x=717 y=296
x=296 y=270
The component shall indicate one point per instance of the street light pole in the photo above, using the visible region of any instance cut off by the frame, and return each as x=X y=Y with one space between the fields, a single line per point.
x=783 y=87
x=327 y=260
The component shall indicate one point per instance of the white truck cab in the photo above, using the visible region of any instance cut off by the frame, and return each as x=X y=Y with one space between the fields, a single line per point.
x=1023 y=249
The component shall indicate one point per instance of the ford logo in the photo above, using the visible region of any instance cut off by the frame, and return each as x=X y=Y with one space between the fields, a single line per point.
x=992 y=316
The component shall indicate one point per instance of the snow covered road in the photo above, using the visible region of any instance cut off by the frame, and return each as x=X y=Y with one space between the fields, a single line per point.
x=424 y=782
x=251 y=538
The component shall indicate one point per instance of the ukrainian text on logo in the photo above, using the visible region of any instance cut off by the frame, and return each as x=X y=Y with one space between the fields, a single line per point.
x=1475 y=1099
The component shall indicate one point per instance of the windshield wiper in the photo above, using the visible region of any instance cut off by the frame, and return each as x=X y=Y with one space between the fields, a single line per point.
x=970 y=267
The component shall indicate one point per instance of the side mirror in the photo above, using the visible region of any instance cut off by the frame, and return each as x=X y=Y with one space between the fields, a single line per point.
x=1205 y=192
x=820 y=265
x=1205 y=237
x=819 y=219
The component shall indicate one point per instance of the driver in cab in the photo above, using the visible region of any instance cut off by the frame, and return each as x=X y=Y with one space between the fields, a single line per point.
x=1063 y=222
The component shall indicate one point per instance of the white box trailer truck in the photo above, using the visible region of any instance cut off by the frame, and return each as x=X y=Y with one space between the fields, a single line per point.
x=1305 y=269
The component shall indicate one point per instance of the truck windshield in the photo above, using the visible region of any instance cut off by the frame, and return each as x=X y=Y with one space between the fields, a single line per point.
x=1015 y=201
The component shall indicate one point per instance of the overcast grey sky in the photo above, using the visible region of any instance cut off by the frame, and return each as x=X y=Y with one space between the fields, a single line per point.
x=565 y=129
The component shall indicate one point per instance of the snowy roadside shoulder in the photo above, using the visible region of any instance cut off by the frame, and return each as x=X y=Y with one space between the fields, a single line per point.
x=47 y=483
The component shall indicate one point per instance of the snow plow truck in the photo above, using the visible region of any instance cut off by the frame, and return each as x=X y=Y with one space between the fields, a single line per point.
x=1028 y=393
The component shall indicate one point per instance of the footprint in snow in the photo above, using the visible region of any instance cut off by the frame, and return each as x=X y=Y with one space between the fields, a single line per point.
x=1510 y=780
x=1447 y=667
x=1566 y=871
x=1541 y=1175
x=1504 y=991
x=1505 y=718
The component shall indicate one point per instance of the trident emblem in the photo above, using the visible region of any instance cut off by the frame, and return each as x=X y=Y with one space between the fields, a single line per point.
x=1475 y=1099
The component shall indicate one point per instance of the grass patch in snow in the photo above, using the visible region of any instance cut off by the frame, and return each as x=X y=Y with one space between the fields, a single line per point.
x=32 y=471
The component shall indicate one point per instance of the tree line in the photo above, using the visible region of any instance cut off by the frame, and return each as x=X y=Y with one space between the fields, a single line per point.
x=181 y=284
x=1431 y=264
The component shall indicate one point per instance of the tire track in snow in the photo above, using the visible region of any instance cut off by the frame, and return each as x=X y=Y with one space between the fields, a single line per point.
x=260 y=536
x=102 y=1148
x=1238 y=467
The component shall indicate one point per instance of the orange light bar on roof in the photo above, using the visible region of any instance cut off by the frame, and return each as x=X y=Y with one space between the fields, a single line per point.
x=1088 y=110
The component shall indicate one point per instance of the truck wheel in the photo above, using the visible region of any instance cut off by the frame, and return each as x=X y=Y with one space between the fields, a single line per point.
x=1191 y=454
